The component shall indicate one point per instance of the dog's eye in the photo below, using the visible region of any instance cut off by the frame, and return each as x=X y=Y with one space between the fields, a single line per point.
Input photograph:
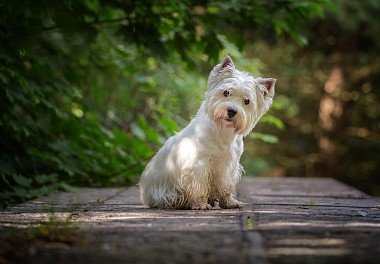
x=226 y=93
x=246 y=101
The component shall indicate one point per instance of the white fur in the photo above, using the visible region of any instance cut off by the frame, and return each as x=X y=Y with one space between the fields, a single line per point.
x=200 y=164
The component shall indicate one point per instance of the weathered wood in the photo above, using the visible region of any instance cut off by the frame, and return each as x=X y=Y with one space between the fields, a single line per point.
x=291 y=220
x=314 y=220
x=296 y=187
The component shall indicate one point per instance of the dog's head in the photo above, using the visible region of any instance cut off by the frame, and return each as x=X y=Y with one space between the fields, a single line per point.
x=235 y=99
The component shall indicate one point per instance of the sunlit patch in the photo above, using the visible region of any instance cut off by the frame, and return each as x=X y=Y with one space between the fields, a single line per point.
x=76 y=110
x=187 y=151
x=310 y=242
x=308 y=251
x=315 y=224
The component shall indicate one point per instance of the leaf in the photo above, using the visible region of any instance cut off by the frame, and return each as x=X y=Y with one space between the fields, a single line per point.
x=45 y=178
x=22 y=180
x=168 y=124
x=137 y=131
x=270 y=119
x=264 y=137
x=249 y=223
x=361 y=213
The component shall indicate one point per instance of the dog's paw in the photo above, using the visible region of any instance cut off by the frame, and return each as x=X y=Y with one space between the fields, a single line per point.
x=213 y=200
x=200 y=206
x=231 y=204
x=236 y=204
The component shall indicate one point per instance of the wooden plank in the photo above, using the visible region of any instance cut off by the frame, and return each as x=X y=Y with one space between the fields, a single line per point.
x=313 y=220
x=286 y=220
x=110 y=225
x=315 y=201
x=292 y=186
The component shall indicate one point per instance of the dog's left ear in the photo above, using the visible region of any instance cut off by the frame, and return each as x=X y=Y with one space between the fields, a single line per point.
x=268 y=84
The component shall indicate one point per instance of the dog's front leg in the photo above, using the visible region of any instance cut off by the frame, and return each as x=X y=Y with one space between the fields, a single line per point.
x=227 y=198
x=227 y=189
x=197 y=188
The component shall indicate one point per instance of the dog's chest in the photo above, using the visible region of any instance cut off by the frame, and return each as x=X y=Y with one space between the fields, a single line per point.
x=220 y=158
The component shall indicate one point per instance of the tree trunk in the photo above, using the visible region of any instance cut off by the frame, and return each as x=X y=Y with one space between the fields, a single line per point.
x=331 y=115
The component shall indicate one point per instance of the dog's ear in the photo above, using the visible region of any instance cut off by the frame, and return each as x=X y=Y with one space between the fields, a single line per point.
x=225 y=63
x=268 y=84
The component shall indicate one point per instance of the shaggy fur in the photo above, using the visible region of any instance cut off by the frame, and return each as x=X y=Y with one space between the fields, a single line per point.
x=200 y=164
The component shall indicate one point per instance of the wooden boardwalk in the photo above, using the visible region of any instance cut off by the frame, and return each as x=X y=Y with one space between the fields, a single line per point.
x=285 y=220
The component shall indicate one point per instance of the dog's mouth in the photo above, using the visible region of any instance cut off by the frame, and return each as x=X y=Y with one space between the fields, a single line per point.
x=230 y=122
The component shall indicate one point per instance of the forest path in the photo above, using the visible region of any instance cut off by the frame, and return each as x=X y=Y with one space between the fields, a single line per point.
x=285 y=220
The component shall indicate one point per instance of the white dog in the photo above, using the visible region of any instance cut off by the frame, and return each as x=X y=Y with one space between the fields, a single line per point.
x=200 y=164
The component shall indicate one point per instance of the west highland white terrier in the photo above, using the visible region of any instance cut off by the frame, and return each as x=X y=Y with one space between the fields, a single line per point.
x=200 y=165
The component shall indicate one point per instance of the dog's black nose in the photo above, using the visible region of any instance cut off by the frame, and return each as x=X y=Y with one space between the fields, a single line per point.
x=231 y=112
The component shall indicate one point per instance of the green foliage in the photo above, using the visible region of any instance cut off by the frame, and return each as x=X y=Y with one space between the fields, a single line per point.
x=90 y=89
x=264 y=137
x=345 y=39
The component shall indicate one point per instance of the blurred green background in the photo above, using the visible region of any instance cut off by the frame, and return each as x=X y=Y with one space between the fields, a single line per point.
x=91 y=89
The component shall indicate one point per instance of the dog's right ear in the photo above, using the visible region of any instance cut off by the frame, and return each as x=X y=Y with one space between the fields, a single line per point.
x=225 y=63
